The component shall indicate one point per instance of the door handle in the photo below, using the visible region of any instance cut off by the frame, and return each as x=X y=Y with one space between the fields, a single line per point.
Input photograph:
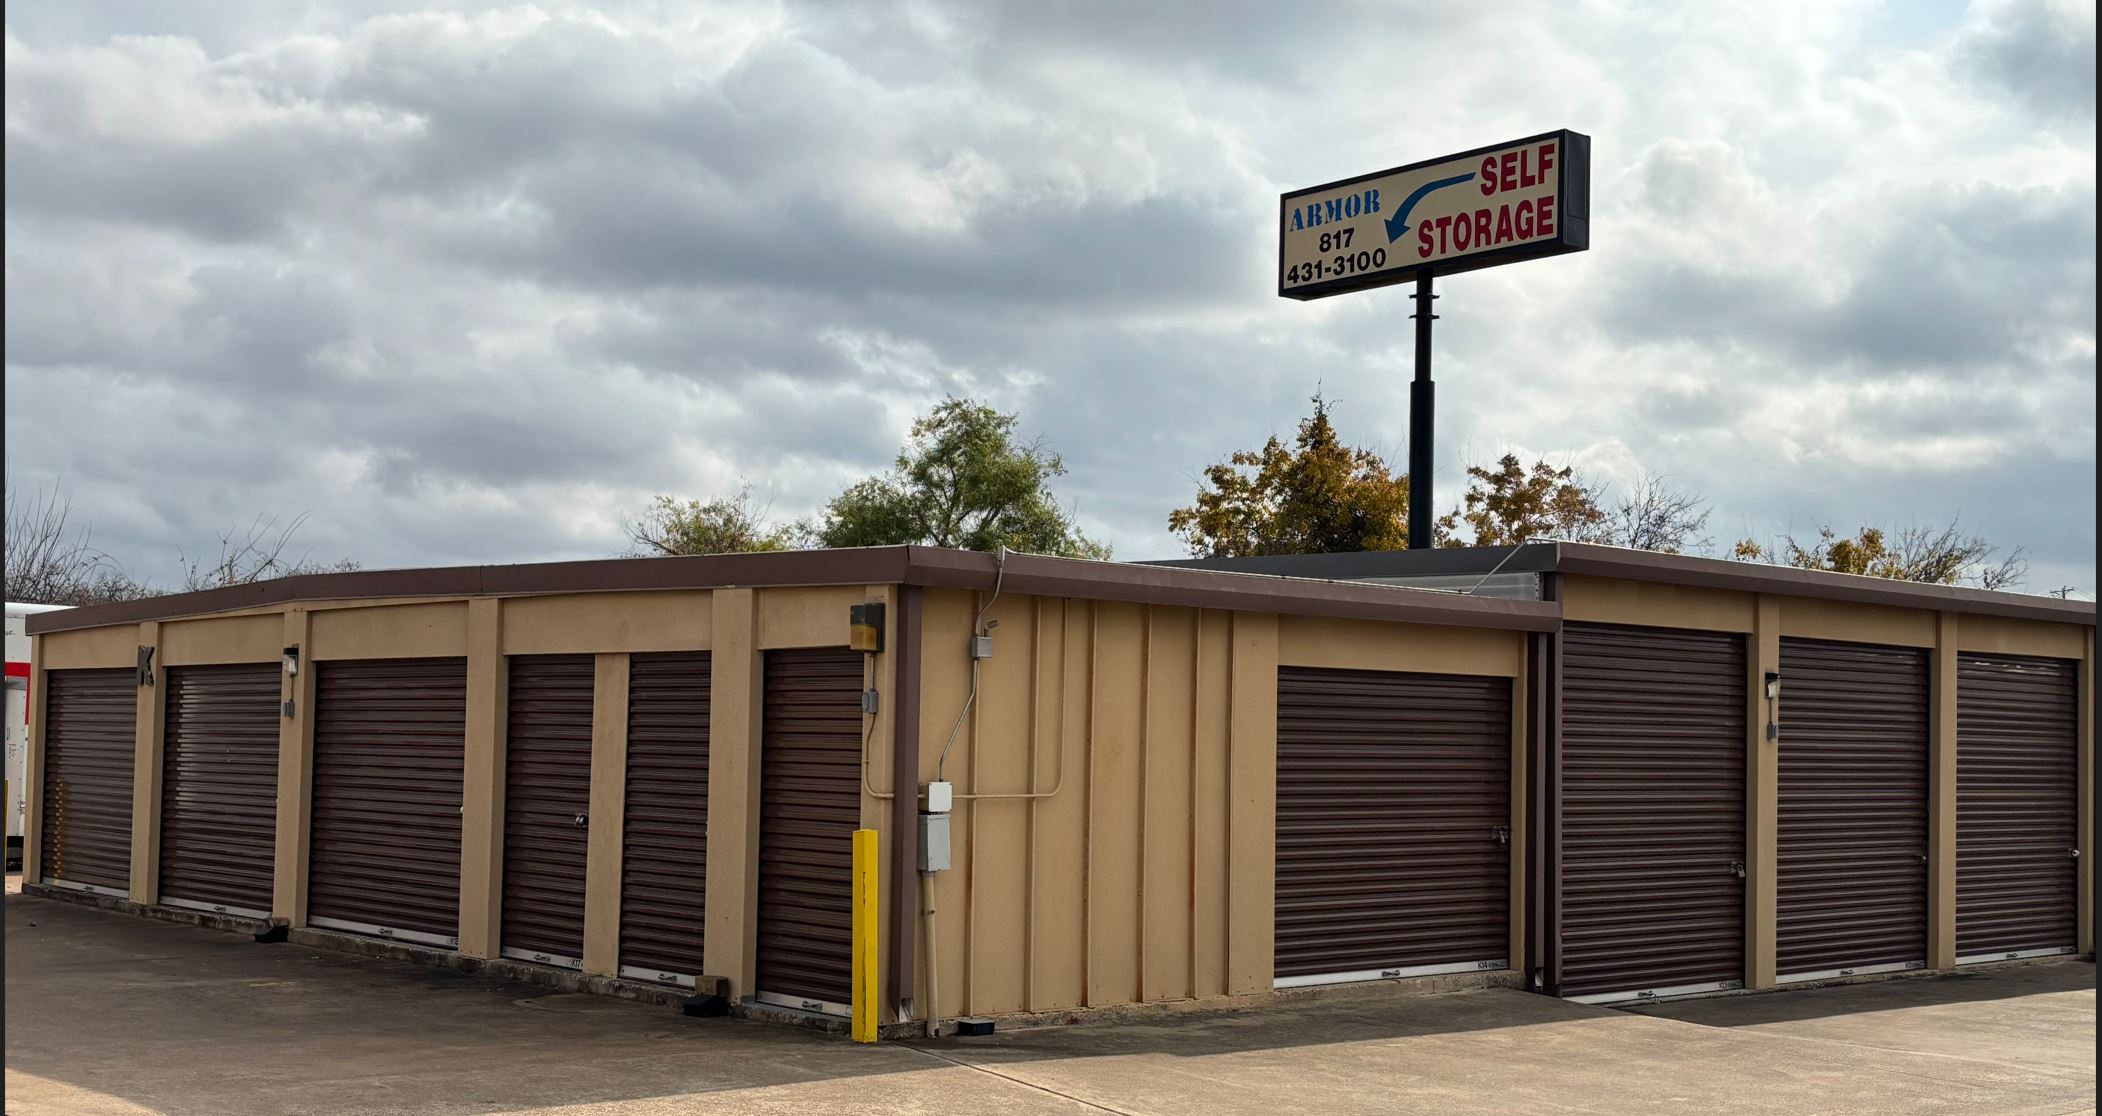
x=1737 y=868
x=1501 y=834
x=581 y=820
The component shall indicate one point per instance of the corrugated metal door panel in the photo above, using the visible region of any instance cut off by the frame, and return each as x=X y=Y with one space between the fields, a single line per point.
x=90 y=744
x=2017 y=806
x=1393 y=816
x=1653 y=749
x=1852 y=872
x=219 y=786
x=390 y=743
x=664 y=839
x=809 y=807
x=547 y=797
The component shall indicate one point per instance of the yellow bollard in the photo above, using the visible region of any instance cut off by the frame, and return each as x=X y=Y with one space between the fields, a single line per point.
x=864 y=1028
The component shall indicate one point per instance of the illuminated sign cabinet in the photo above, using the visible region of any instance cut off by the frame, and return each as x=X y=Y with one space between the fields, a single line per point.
x=1495 y=205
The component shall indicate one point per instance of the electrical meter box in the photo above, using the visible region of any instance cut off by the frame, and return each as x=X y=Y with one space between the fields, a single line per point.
x=934 y=842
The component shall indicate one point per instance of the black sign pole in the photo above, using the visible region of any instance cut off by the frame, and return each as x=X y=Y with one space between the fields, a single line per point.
x=1422 y=397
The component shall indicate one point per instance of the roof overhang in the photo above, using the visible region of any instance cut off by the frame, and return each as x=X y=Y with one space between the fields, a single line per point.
x=930 y=567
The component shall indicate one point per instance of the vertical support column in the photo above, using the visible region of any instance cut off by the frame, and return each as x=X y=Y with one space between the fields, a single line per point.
x=2084 y=885
x=1941 y=799
x=609 y=779
x=146 y=771
x=1422 y=421
x=1538 y=841
x=878 y=768
x=1520 y=832
x=33 y=769
x=904 y=918
x=295 y=775
x=1251 y=810
x=729 y=942
x=482 y=784
x=1762 y=782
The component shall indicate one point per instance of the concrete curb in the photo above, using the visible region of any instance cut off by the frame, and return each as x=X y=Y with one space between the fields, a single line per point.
x=1165 y=1010
x=238 y=924
x=646 y=992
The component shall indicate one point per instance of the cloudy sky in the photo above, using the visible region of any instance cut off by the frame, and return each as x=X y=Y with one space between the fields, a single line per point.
x=469 y=284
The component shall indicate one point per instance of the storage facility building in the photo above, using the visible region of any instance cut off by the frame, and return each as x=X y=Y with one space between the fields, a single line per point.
x=1170 y=783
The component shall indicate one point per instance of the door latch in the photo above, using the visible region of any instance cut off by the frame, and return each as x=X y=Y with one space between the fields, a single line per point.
x=2074 y=853
x=581 y=820
x=1502 y=834
x=1737 y=868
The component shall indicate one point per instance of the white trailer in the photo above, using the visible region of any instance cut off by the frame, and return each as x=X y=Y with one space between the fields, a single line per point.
x=17 y=781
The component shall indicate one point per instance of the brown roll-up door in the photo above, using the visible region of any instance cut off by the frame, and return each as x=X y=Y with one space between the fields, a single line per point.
x=547 y=799
x=1653 y=748
x=90 y=744
x=1852 y=871
x=2017 y=806
x=390 y=742
x=219 y=787
x=809 y=807
x=1393 y=824
x=664 y=834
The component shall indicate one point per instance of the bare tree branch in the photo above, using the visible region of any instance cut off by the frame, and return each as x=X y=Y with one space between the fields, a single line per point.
x=1654 y=515
x=1944 y=555
x=256 y=554
x=49 y=558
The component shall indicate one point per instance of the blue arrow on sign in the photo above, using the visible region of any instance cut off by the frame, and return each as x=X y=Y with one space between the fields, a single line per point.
x=1398 y=225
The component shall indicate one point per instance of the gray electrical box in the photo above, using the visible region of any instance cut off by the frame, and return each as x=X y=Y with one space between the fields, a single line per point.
x=934 y=842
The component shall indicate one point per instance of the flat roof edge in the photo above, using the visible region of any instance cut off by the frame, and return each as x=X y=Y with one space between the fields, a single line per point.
x=1586 y=559
x=930 y=567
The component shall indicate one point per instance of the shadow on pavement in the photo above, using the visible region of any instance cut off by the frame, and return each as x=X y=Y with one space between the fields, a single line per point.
x=184 y=1020
x=1792 y=1005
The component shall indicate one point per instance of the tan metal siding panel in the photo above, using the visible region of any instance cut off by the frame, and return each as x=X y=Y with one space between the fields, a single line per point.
x=219 y=785
x=90 y=745
x=2017 y=804
x=390 y=742
x=810 y=805
x=664 y=842
x=547 y=797
x=1852 y=878
x=1652 y=809
x=1391 y=788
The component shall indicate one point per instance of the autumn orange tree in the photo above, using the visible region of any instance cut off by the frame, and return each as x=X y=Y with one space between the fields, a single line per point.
x=1935 y=555
x=1513 y=504
x=1318 y=496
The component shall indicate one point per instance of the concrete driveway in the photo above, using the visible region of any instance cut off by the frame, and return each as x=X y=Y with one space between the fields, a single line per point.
x=111 y=1014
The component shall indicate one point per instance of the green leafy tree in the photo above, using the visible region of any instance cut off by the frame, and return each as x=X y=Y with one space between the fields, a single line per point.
x=1944 y=555
x=1512 y=504
x=963 y=480
x=1317 y=497
x=726 y=525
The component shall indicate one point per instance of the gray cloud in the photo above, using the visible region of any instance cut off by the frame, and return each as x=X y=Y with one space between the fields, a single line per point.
x=2040 y=51
x=468 y=285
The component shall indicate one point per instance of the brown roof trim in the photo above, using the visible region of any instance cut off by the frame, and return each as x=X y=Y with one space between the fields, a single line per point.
x=1756 y=577
x=885 y=565
x=881 y=565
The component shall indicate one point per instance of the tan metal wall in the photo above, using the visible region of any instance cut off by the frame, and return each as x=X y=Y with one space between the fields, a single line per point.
x=1113 y=838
